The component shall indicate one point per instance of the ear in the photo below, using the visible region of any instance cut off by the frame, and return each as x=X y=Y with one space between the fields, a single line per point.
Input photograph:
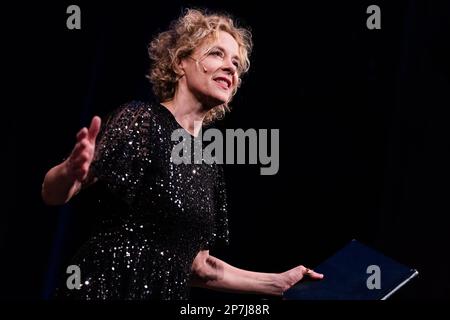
x=179 y=67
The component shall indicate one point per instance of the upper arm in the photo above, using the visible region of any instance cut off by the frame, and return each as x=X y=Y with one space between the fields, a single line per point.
x=121 y=150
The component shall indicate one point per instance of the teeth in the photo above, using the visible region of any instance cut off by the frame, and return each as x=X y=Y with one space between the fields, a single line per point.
x=222 y=81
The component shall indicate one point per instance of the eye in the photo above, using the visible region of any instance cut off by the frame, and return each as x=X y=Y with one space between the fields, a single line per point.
x=216 y=53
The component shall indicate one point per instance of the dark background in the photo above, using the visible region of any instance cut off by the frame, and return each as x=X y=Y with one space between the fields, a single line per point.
x=363 y=118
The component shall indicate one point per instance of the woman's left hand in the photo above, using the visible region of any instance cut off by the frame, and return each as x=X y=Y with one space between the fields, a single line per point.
x=286 y=280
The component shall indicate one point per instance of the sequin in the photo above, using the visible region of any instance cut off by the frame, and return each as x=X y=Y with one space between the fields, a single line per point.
x=152 y=217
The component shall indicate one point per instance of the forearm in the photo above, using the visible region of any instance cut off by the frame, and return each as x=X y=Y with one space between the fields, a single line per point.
x=58 y=187
x=219 y=275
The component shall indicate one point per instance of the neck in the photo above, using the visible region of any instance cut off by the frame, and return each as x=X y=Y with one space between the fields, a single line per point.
x=187 y=111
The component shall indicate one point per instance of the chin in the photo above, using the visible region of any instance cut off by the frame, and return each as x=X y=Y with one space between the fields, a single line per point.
x=215 y=100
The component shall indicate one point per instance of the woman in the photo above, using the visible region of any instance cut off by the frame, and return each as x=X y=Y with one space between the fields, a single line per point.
x=157 y=220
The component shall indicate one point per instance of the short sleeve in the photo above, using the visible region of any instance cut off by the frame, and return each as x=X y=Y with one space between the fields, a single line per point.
x=121 y=151
x=221 y=233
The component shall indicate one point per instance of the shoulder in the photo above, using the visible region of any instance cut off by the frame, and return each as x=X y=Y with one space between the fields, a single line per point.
x=129 y=116
x=129 y=112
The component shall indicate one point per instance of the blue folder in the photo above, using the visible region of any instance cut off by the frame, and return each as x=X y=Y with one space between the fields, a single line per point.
x=356 y=272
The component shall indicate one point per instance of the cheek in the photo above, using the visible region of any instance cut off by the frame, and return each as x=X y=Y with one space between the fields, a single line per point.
x=212 y=65
x=202 y=82
x=235 y=84
x=198 y=79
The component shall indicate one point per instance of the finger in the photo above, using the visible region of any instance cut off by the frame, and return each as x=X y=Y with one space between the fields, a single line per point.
x=297 y=273
x=77 y=150
x=80 y=176
x=82 y=134
x=82 y=172
x=82 y=146
x=94 y=128
x=301 y=269
x=85 y=170
x=84 y=157
x=314 y=275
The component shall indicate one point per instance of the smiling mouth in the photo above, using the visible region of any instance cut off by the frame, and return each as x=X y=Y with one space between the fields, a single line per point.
x=223 y=83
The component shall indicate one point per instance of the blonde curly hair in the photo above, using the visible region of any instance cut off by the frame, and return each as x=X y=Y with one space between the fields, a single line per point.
x=184 y=35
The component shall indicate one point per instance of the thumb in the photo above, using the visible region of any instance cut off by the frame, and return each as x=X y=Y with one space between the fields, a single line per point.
x=94 y=128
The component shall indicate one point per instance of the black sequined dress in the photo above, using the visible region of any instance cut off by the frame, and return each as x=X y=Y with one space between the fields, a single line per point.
x=153 y=216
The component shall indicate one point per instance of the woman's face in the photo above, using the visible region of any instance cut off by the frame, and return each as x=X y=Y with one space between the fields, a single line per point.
x=211 y=72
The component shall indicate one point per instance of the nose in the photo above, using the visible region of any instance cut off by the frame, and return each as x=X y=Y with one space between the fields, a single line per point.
x=229 y=66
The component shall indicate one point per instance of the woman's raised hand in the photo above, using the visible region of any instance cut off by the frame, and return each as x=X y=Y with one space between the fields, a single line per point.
x=79 y=161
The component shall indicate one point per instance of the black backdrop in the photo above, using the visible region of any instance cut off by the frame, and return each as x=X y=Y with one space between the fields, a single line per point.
x=363 y=118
